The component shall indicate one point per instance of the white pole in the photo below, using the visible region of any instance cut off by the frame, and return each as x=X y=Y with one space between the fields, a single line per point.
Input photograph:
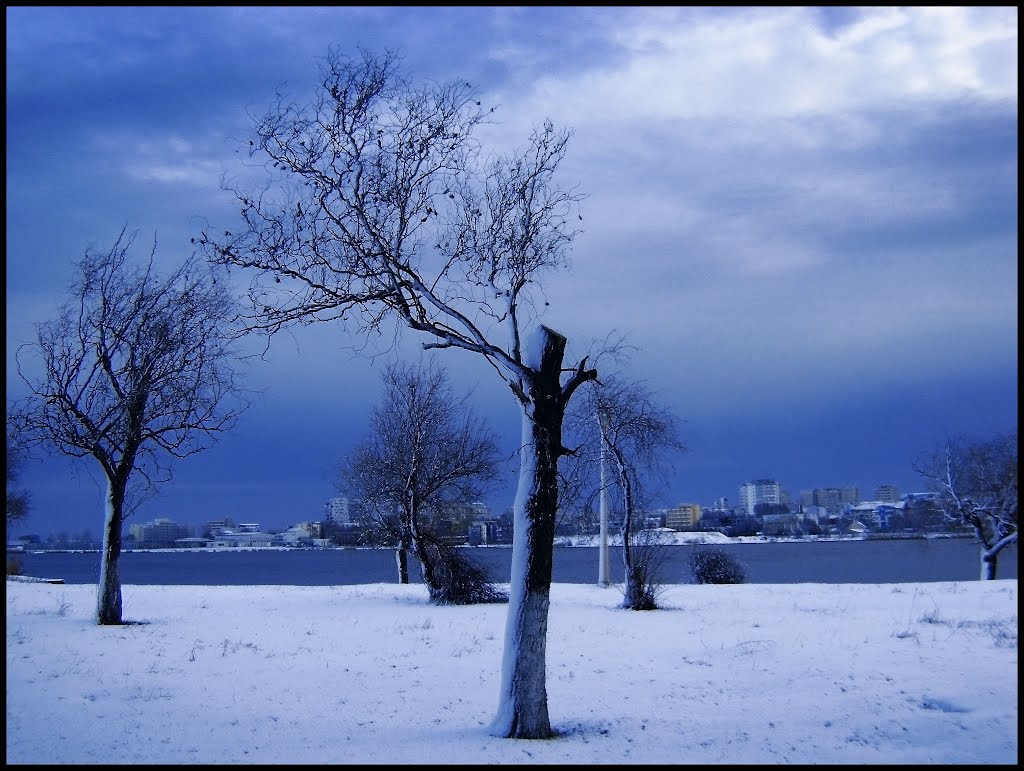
x=602 y=559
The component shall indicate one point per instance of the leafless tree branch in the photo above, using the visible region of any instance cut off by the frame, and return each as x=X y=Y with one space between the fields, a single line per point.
x=381 y=206
x=976 y=481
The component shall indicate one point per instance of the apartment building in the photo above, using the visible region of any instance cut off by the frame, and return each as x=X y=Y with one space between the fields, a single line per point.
x=759 y=491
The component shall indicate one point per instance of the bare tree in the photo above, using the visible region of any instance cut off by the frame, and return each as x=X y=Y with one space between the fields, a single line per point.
x=136 y=370
x=976 y=482
x=639 y=435
x=425 y=450
x=18 y=499
x=381 y=207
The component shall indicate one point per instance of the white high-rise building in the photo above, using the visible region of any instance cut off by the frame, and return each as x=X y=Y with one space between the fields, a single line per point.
x=759 y=491
x=339 y=511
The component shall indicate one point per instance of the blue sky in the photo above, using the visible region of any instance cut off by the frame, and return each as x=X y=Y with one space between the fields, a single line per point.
x=805 y=219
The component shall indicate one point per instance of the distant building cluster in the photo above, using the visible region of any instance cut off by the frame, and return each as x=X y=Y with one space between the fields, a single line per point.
x=763 y=507
x=159 y=533
x=349 y=522
x=766 y=508
x=163 y=533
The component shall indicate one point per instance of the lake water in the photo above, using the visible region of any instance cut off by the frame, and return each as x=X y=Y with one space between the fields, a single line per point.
x=897 y=561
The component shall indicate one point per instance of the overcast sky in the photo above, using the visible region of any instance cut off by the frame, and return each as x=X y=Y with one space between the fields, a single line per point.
x=805 y=220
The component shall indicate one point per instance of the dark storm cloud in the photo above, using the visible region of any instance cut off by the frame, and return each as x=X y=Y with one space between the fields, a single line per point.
x=805 y=219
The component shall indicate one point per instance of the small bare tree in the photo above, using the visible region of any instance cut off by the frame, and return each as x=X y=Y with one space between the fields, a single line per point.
x=425 y=450
x=976 y=482
x=381 y=208
x=18 y=499
x=136 y=370
x=639 y=434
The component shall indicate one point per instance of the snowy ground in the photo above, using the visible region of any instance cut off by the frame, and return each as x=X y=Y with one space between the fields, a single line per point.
x=801 y=673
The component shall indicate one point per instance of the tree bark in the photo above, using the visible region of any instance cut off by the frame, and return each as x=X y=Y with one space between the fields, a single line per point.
x=630 y=572
x=108 y=607
x=420 y=546
x=989 y=552
x=988 y=565
x=402 y=562
x=523 y=706
x=405 y=544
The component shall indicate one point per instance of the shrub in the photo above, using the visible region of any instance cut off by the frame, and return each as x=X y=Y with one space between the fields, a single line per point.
x=711 y=566
x=459 y=579
x=14 y=566
x=643 y=595
x=649 y=549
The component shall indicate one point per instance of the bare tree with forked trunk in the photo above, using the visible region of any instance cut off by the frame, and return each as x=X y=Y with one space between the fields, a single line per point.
x=137 y=370
x=381 y=207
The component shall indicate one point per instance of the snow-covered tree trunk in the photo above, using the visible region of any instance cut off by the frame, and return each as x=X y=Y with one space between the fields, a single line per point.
x=523 y=704
x=988 y=564
x=402 y=561
x=989 y=552
x=420 y=546
x=108 y=607
x=406 y=536
x=634 y=584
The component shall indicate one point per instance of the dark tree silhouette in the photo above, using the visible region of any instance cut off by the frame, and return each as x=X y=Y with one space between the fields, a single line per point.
x=425 y=450
x=136 y=370
x=976 y=484
x=18 y=499
x=381 y=207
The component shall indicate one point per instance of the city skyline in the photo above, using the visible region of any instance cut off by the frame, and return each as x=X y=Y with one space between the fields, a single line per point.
x=803 y=219
x=327 y=512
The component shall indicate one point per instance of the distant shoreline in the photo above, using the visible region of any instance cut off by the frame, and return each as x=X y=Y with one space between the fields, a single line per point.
x=581 y=541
